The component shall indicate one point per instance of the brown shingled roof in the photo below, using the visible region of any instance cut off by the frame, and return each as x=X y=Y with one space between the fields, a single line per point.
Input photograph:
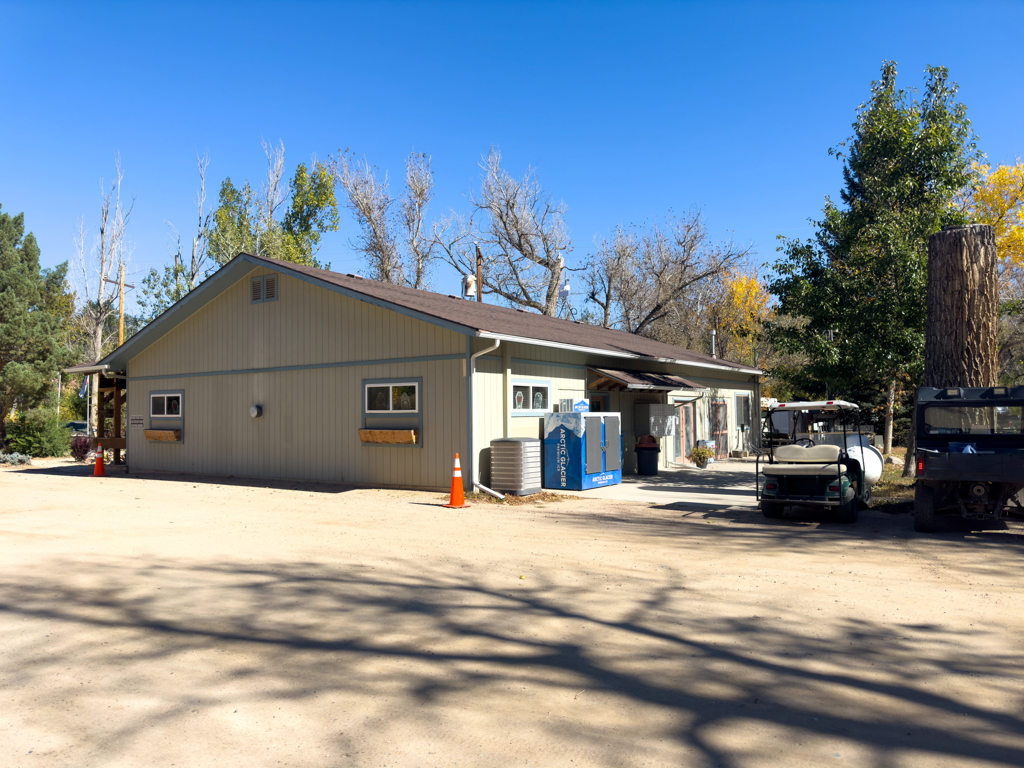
x=504 y=320
x=616 y=380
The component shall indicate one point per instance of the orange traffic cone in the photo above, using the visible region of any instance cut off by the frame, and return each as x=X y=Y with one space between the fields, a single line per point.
x=458 y=498
x=98 y=472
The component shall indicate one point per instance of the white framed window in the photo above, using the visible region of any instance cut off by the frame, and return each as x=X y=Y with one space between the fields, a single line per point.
x=743 y=411
x=392 y=397
x=262 y=289
x=165 y=406
x=531 y=397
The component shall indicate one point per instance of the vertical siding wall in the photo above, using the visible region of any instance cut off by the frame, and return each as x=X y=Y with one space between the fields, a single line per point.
x=567 y=372
x=311 y=416
x=566 y=380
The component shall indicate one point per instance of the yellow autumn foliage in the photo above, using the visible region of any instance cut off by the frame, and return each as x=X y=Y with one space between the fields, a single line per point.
x=999 y=201
x=745 y=310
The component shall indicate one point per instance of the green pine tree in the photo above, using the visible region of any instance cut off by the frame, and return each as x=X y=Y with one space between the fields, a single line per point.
x=31 y=305
x=855 y=294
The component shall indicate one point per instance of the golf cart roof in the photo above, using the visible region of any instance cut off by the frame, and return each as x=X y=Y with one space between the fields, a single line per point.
x=816 y=405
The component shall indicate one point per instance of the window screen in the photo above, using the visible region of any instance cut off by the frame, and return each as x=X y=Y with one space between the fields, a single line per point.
x=400 y=397
x=742 y=411
x=531 y=397
x=165 y=406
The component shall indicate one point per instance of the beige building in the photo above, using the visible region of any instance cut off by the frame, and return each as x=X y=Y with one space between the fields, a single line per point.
x=274 y=370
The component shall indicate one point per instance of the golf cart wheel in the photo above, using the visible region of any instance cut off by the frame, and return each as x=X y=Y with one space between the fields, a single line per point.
x=924 y=508
x=847 y=511
x=865 y=501
x=771 y=509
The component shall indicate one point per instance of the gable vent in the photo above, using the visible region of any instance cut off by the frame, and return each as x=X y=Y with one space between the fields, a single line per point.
x=270 y=288
x=257 y=290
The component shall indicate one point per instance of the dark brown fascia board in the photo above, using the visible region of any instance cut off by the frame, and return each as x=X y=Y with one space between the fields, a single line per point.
x=220 y=281
x=353 y=294
x=177 y=313
x=244 y=263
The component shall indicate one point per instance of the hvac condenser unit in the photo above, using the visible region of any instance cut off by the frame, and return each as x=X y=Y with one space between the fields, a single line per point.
x=515 y=465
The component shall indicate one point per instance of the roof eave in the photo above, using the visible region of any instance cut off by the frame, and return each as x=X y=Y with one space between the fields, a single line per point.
x=734 y=368
x=556 y=344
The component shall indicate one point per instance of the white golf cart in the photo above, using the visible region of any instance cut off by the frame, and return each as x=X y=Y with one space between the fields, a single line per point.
x=827 y=459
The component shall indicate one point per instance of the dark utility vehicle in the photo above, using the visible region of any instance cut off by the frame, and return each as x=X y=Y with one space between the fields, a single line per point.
x=970 y=454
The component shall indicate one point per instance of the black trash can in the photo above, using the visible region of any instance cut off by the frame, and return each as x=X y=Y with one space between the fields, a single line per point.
x=647 y=450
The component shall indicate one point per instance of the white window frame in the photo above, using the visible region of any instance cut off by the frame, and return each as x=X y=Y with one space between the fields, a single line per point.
x=531 y=383
x=164 y=396
x=390 y=385
x=743 y=412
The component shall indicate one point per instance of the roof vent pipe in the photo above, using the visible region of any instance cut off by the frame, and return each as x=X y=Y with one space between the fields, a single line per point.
x=713 y=354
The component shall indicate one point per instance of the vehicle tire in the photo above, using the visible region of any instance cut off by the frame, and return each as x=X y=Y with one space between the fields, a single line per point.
x=865 y=501
x=924 y=508
x=771 y=509
x=847 y=511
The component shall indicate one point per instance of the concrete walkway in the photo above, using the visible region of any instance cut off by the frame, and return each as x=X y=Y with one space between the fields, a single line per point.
x=727 y=484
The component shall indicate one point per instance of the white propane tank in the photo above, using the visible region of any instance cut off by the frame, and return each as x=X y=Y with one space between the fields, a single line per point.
x=870 y=459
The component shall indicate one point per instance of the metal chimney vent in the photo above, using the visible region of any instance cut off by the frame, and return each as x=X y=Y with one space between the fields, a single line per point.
x=516 y=465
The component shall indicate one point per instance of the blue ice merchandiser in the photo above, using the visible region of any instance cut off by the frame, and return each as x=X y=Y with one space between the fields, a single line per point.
x=582 y=450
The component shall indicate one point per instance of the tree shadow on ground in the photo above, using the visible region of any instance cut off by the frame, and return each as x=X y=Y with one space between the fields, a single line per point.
x=675 y=672
x=86 y=470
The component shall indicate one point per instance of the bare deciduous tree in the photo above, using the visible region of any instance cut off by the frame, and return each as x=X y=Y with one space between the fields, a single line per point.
x=370 y=200
x=159 y=291
x=670 y=261
x=101 y=262
x=604 y=274
x=193 y=272
x=419 y=188
x=662 y=282
x=273 y=190
x=522 y=236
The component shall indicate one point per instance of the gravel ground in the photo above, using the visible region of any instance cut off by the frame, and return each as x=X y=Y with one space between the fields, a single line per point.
x=179 y=621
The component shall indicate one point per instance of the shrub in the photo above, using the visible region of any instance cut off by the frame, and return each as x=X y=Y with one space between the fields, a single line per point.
x=38 y=433
x=16 y=459
x=699 y=455
x=80 y=448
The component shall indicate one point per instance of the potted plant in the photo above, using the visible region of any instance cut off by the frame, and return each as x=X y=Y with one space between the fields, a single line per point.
x=699 y=456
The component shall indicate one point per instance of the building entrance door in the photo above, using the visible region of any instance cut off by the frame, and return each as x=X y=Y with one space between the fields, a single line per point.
x=720 y=427
x=683 y=441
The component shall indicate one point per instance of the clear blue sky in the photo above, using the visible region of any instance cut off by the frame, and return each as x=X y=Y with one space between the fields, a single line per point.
x=627 y=110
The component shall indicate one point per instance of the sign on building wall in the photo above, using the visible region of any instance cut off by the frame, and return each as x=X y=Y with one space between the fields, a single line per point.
x=137 y=422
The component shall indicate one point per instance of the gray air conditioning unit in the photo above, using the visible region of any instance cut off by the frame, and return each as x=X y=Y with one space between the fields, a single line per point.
x=515 y=465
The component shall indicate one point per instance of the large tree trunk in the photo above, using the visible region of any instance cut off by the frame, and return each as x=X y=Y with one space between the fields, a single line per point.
x=960 y=348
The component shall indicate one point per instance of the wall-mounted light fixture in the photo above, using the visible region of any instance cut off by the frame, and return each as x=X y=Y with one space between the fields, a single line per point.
x=256 y=411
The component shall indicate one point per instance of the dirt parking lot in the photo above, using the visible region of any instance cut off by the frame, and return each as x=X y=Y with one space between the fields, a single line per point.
x=180 y=621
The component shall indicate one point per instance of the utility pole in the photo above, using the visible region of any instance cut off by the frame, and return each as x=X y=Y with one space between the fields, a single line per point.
x=479 y=274
x=120 y=301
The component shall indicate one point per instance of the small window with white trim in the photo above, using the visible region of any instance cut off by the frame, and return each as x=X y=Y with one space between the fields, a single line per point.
x=263 y=289
x=165 y=406
x=743 y=411
x=397 y=397
x=532 y=397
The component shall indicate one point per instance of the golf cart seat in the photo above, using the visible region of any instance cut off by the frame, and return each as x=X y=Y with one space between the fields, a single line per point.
x=814 y=461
